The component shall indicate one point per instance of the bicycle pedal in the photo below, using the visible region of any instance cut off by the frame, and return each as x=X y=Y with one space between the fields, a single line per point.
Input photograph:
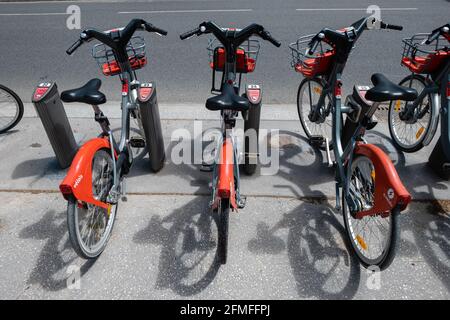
x=206 y=168
x=137 y=142
x=316 y=140
x=241 y=202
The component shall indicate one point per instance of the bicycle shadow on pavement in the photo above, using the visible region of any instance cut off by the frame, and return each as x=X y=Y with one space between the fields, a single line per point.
x=431 y=234
x=188 y=238
x=189 y=171
x=320 y=258
x=38 y=168
x=57 y=254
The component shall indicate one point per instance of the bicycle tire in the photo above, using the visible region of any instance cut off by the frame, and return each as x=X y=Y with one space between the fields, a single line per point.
x=73 y=224
x=223 y=219
x=388 y=253
x=19 y=105
x=300 y=112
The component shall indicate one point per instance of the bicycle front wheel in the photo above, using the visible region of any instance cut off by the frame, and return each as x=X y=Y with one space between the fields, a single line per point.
x=90 y=226
x=408 y=133
x=308 y=95
x=373 y=238
x=11 y=109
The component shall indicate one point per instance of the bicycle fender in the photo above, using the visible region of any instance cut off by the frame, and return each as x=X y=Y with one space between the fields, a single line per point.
x=225 y=182
x=78 y=181
x=390 y=192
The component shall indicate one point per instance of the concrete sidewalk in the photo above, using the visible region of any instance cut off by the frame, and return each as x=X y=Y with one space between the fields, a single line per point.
x=288 y=243
x=303 y=170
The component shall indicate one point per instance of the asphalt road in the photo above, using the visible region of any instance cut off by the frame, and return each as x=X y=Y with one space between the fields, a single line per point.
x=34 y=38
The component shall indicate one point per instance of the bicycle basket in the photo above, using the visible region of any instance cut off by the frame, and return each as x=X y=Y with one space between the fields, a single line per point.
x=247 y=54
x=313 y=65
x=424 y=58
x=107 y=61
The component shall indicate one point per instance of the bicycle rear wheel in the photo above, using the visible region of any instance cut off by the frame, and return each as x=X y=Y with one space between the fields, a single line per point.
x=408 y=135
x=90 y=226
x=373 y=238
x=11 y=109
x=222 y=244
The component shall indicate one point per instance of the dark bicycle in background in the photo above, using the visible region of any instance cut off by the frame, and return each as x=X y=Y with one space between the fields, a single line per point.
x=11 y=109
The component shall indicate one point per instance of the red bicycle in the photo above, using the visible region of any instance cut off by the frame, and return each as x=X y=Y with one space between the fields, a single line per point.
x=231 y=58
x=95 y=179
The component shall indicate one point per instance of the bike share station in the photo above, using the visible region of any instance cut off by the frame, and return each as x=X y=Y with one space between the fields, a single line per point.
x=50 y=109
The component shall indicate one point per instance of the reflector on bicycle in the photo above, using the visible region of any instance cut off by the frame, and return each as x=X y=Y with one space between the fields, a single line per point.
x=361 y=242
x=419 y=132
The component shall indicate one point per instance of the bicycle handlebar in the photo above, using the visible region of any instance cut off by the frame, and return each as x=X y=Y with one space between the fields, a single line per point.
x=122 y=35
x=445 y=29
x=347 y=35
x=239 y=37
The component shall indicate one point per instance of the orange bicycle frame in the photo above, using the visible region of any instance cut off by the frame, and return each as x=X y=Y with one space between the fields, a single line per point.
x=225 y=188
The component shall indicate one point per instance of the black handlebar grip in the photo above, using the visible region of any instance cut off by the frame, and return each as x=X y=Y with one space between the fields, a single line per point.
x=384 y=25
x=189 y=33
x=394 y=27
x=266 y=36
x=151 y=28
x=275 y=42
x=160 y=31
x=74 y=47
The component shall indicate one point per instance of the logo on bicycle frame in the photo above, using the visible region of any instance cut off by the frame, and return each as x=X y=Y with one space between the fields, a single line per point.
x=77 y=182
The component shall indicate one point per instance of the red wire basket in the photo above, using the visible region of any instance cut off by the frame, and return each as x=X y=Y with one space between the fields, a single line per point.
x=425 y=58
x=308 y=65
x=107 y=61
x=247 y=54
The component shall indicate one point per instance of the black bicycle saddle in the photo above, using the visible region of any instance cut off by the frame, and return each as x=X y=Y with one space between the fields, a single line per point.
x=87 y=94
x=386 y=90
x=227 y=100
